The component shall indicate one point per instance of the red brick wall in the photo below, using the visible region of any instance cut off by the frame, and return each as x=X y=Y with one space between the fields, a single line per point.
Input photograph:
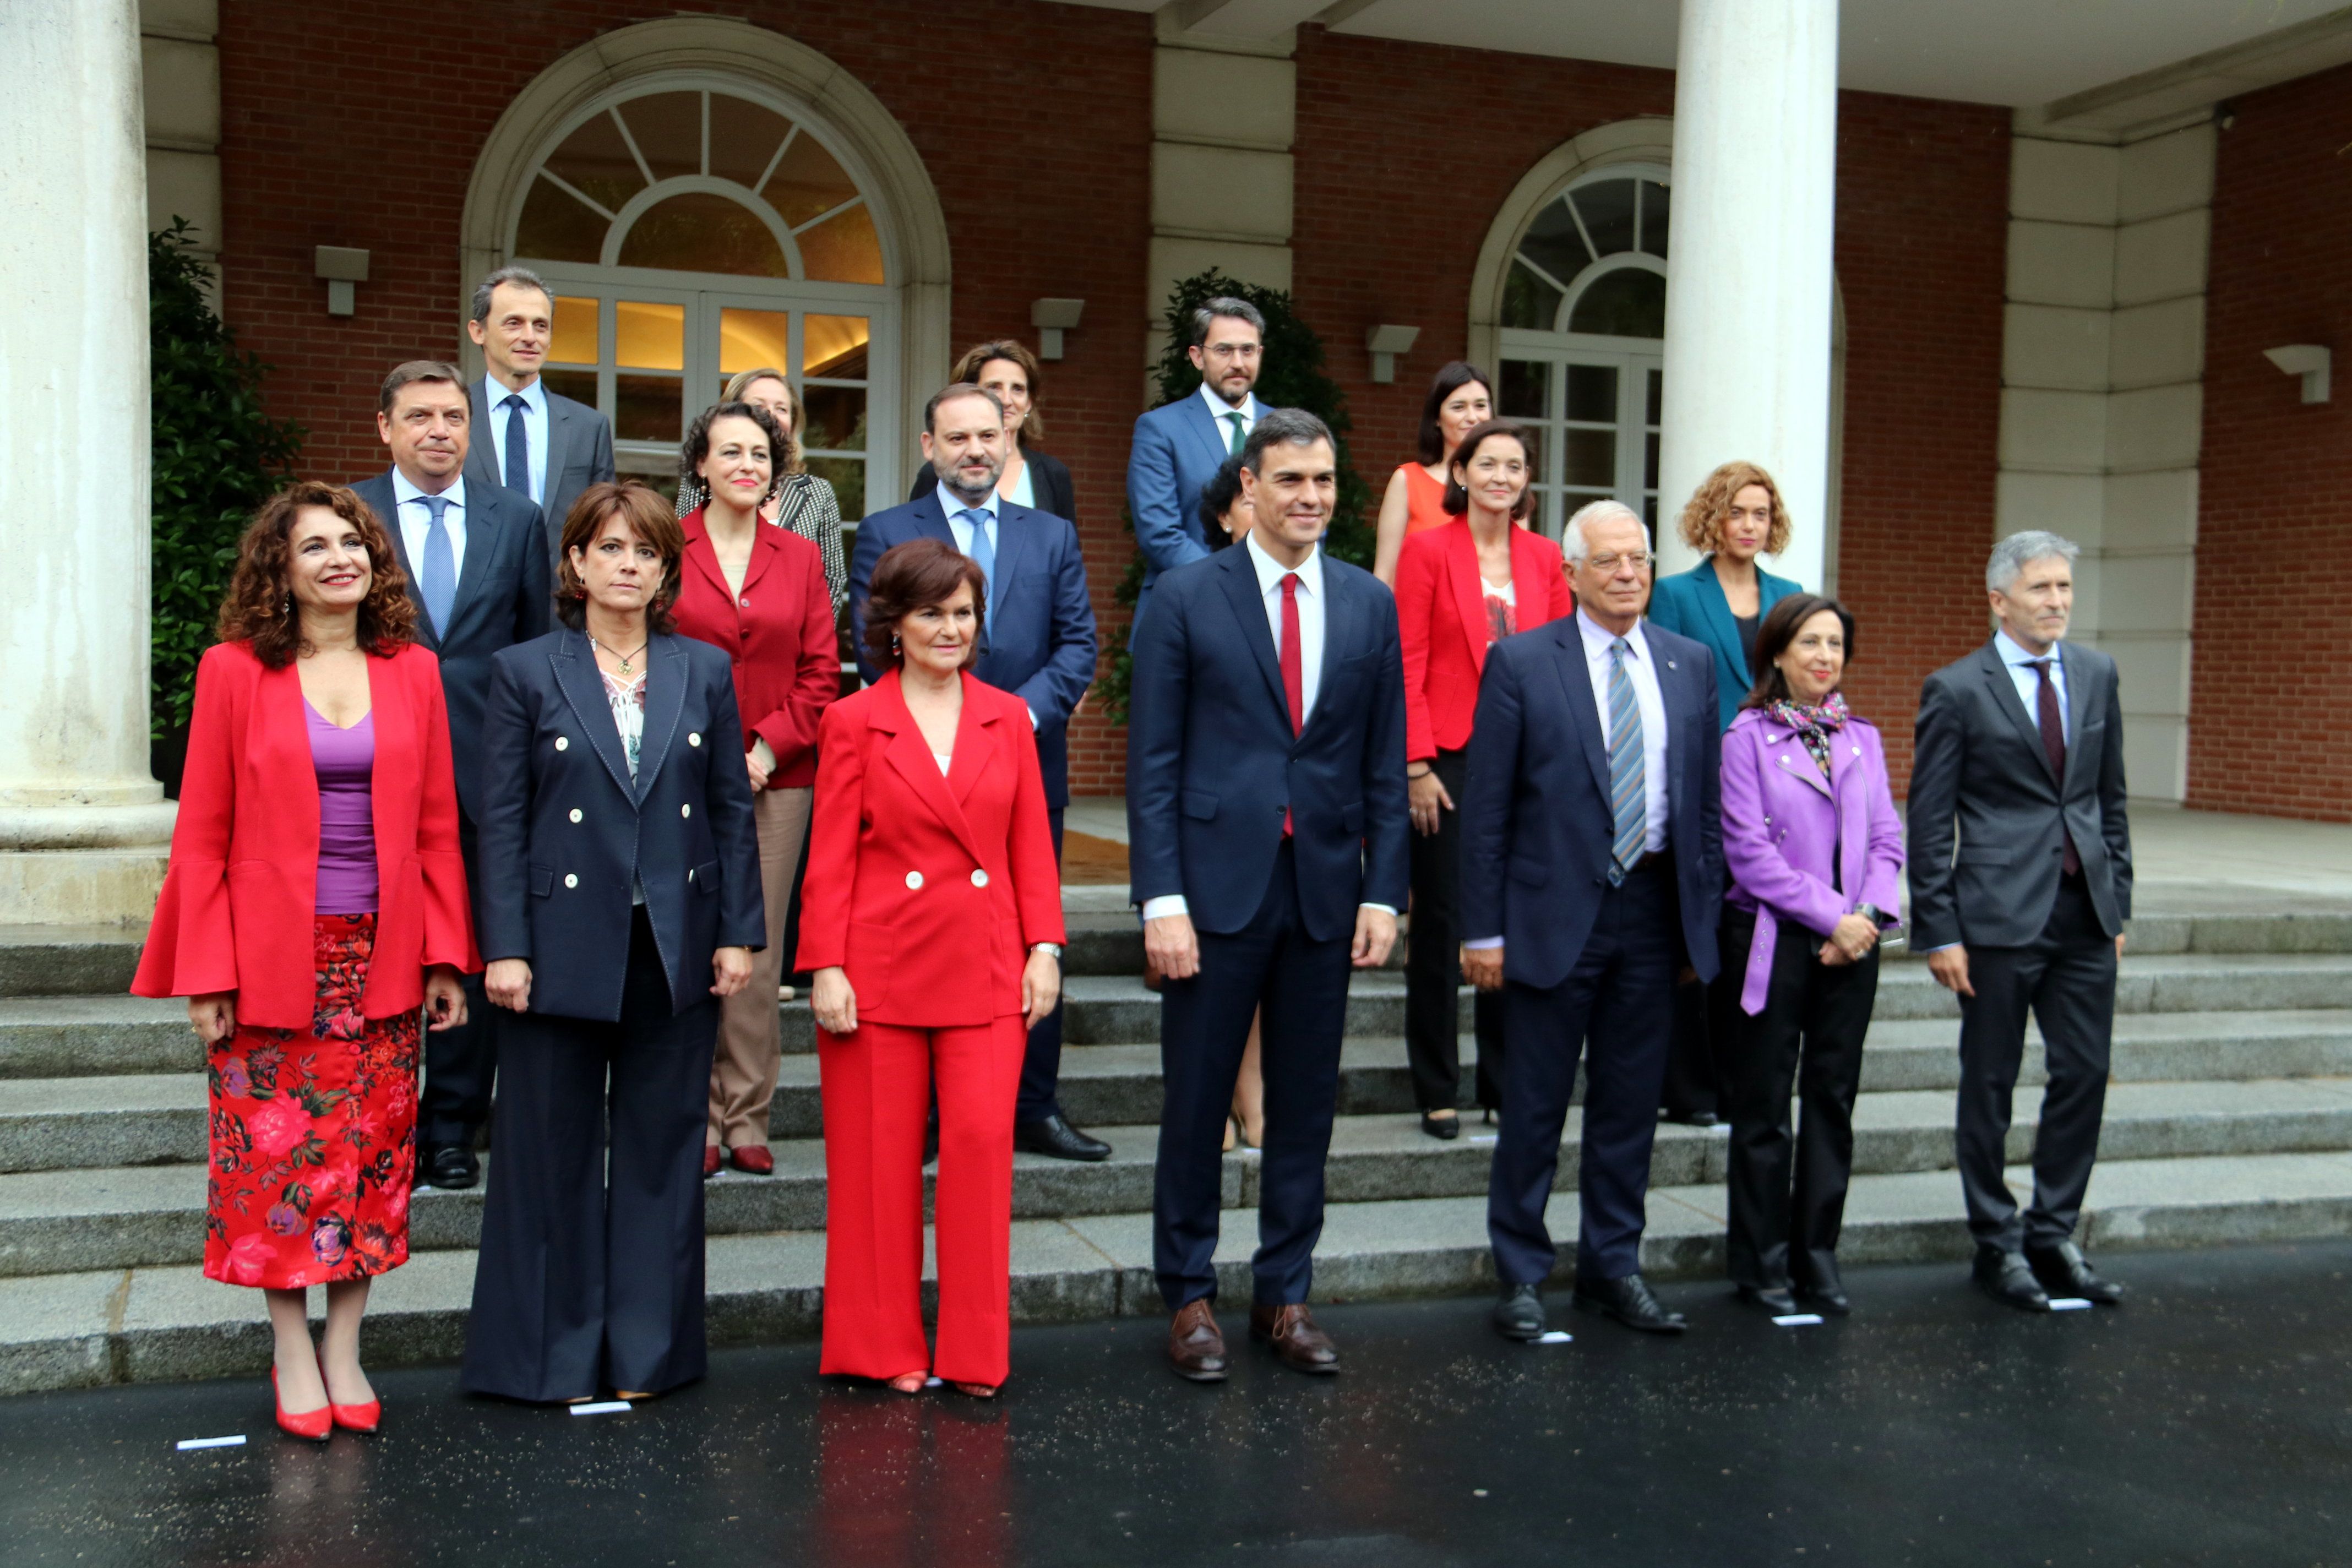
x=353 y=125
x=1397 y=186
x=2273 y=616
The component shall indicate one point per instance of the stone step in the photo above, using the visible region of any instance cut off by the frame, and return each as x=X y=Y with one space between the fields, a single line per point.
x=150 y=1324
x=59 y=1221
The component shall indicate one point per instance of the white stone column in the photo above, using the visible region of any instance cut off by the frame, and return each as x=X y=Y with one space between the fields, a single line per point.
x=1748 y=276
x=83 y=825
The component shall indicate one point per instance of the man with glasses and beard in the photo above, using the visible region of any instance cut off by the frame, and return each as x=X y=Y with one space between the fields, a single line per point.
x=1179 y=446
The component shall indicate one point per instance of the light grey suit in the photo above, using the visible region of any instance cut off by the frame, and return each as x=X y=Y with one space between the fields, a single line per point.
x=579 y=453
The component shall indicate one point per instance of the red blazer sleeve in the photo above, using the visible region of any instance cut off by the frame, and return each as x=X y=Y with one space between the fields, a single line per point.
x=1036 y=875
x=448 y=912
x=1563 y=595
x=1419 y=577
x=790 y=730
x=834 y=828
x=191 y=941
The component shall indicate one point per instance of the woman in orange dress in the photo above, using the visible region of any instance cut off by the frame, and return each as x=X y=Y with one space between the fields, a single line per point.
x=1460 y=396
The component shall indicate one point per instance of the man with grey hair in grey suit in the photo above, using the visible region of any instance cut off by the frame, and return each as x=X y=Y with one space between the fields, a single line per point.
x=2021 y=883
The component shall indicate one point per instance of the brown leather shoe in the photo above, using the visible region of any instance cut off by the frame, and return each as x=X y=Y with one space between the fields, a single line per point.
x=1298 y=1343
x=1196 y=1347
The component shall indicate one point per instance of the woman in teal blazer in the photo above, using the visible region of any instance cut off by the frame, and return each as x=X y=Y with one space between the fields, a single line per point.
x=1735 y=515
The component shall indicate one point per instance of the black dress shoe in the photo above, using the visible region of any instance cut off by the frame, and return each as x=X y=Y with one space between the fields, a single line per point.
x=1824 y=1292
x=1773 y=1299
x=2065 y=1271
x=1444 y=1127
x=1053 y=1137
x=1519 y=1313
x=448 y=1165
x=2004 y=1276
x=1630 y=1302
x=1690 y=1117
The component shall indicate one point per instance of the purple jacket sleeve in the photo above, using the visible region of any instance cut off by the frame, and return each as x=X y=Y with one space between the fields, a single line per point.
x=1882 y=882
x=1756 y=867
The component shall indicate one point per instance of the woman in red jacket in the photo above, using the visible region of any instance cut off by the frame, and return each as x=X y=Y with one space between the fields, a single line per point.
x=1459 y=589
x=931 y=923
x=758 y=594
x=315 y=901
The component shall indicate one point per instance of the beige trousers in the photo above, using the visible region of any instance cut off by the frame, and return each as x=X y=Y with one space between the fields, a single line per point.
x=750 y=1036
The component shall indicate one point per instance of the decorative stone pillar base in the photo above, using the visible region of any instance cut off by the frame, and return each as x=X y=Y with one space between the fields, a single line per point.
x=84 y=864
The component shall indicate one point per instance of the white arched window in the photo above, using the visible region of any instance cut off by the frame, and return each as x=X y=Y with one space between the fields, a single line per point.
x=693 y=226
x=1582 y=339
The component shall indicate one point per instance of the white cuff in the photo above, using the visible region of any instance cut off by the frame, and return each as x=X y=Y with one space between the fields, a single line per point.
x=1033 y=718
x=1166 y=904
x=1382 y=908
x=1484 y=945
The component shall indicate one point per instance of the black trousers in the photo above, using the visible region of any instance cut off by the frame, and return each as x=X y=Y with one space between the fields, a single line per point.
x=590 y=1270
x=2067 y=977
x=1041 y=1066
x=1302 y=985
x=1696 y=1071
x=1788 y=1192
x=1433 y=966
x=461 y=1064
x=1614 y=1009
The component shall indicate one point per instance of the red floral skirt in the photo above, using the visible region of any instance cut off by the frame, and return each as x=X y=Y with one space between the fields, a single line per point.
x=314 y=1135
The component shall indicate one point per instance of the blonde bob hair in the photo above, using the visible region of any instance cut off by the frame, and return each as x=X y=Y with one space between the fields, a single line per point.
x=1710 y=504
x=788 y=461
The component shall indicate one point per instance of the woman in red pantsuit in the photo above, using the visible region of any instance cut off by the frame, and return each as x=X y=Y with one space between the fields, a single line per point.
x=931 y=921
x=314 y=903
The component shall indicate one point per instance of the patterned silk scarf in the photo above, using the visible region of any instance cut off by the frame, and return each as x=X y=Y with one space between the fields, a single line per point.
x=1813 y=724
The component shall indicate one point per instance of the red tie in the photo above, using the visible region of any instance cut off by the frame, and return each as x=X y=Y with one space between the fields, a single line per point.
x=1294 y=669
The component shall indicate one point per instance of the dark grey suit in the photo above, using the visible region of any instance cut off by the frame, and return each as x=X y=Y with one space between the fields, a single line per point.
x=1990 y=823
x=579 y=453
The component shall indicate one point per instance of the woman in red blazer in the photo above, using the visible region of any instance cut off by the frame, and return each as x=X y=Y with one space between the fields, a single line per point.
x=315 y=901
x=931 y=920
x=1459 y=588
x=760 y=593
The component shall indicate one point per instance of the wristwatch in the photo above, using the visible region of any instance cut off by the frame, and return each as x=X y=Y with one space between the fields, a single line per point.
x=1052 y=947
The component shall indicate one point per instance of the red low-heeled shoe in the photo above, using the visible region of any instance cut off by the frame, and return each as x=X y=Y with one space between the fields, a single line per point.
x=753 y=1159
x=314 y=1424
x=711 y=1156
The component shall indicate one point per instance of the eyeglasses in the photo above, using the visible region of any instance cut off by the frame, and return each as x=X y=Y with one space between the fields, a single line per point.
x=1639 y=560
x=1232 y=350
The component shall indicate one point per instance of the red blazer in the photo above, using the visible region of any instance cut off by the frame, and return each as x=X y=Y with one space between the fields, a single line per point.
x=241 y=891
x=780 y=632
x=1442 y=621
x=929 y=891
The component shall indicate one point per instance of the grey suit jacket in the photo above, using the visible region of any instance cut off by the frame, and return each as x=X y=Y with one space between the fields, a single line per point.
x=579 y=454
x=1985 y=809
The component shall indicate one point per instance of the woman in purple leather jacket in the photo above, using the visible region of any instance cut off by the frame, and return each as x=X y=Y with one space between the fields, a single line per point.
x=1815 y=854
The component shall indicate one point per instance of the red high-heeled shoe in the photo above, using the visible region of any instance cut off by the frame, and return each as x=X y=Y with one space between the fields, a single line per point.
x=314 y=1424
x=353 y=1417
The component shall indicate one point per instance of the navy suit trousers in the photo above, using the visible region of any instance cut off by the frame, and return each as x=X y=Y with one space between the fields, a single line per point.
x=1615 y=1009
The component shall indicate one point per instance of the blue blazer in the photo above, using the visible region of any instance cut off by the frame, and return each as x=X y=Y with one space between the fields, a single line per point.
x=1211 y=761
x=565 y=831
x=1178 y=450
x=504 y=597
x=1040 y=640
x=1691 y=603
x=1535 y=818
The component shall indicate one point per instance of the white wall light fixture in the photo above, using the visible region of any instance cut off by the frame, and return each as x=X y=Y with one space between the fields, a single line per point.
x=342 y=267
x=1387 y=344
x=1052 y=318
x=2309 y=360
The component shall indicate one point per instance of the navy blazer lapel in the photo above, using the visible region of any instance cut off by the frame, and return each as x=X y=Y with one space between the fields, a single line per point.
x=931 y=518
x=2004 y=697
x=483 y=527
x=1015 y=527
x=1249 y=608
x=666 y=673
x=1204 y=424
x=1576 y=684
x=425 y=631
x=582 y=685
x=1342 y=615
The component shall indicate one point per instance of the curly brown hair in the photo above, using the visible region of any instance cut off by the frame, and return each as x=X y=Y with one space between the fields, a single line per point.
x=646 y=514
x=259 y=606
x=910 y=576
x=1701 y=524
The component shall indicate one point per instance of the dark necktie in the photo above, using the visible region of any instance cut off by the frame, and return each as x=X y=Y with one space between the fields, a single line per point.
x=2053 y=746
x=1294 y=669
x=1241 y=437
x=518 y=447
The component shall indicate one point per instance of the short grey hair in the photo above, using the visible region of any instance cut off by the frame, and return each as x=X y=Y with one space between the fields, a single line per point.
x=2010 y=556
x=521 y=276
x=1282 y=427
x=1225 y=305
x=1573 y=542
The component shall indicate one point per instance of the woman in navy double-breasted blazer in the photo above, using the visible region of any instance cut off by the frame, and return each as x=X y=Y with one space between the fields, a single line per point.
x=620 y=897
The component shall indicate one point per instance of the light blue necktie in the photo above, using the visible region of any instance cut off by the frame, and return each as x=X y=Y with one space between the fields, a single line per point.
x=984 y=552
x=1626 y=794
x=436 y=575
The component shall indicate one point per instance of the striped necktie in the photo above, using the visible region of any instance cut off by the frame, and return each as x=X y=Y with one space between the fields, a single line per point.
x=1627 y=796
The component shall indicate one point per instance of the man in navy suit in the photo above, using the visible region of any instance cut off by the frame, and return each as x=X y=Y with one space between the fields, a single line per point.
x=1266 y=821
x=1179 y=446
x=1591 y=877
x=534 y=442
x=478 y=571
x=1038 y=644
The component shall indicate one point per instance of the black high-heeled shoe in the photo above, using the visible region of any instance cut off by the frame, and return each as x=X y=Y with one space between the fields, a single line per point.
x=1443 y=1128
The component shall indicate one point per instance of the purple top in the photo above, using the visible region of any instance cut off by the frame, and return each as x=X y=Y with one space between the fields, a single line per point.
x=345 y=760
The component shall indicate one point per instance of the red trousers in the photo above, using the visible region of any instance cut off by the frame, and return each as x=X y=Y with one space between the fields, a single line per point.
x=876 y=1084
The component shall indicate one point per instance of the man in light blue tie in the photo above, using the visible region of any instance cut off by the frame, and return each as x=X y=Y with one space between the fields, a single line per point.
x=530 y=439
x=1037 y=643
x=478 y=571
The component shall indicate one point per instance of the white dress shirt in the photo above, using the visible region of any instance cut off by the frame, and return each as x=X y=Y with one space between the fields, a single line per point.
x=1222 y=412
x=417 y=518
x=534 y=424
x=955 y=506
x=1270 y=573
x=1642 y=671
x=2028 y=681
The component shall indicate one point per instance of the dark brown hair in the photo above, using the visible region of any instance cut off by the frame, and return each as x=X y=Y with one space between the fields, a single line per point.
x=1458 y=497
x=1779 y=630
x=259 y=606
x=913 y=576
x=696 y=447
x=418 y=370
x=651 y=519
x=1452 y=377
x=976 y=358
